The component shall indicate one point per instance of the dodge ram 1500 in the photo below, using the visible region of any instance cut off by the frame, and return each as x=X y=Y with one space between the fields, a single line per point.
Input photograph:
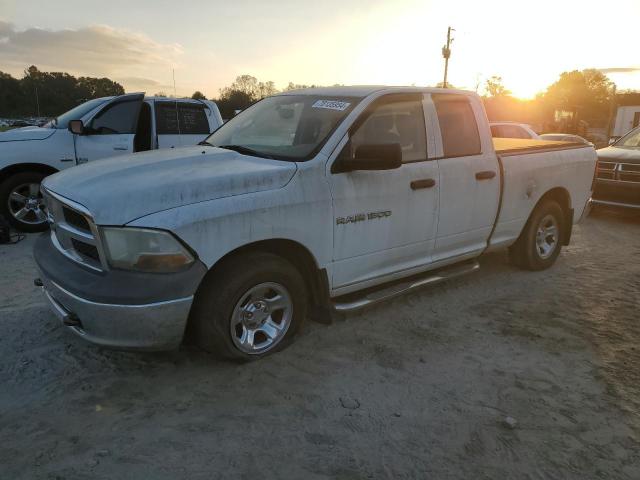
x=307 y=203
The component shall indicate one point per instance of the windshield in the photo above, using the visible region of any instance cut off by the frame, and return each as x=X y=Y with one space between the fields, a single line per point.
x=630 y=140
x=286 y=127
x=75 y=113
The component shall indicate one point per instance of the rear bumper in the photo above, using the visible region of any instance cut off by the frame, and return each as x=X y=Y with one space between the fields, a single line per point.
x=117 y=309
x=151 y=326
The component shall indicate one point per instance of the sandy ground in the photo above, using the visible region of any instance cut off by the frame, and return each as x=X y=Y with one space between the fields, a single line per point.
x=501 y=374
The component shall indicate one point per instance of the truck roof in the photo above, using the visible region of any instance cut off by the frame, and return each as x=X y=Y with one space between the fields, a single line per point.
x=366 y=90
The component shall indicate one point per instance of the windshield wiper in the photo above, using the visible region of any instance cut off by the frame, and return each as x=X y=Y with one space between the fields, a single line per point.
x=245 y=150
x=204 y=142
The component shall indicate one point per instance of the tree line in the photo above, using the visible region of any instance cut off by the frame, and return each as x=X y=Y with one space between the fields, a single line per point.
x=579 y=96
x=47 y=94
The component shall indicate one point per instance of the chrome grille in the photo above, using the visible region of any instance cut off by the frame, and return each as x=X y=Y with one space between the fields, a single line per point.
x=73 y=231
x=618 y=171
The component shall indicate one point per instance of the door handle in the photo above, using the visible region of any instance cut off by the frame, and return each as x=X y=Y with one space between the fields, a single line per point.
x=424 y=183
x=121 y=147
x=485 y=175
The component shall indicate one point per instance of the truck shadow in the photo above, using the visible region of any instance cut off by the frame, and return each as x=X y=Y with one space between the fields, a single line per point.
x=616 y=215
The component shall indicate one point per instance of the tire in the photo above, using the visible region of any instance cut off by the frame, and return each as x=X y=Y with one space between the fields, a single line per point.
x=534 y=250
x=242 y=287
x=21 y=202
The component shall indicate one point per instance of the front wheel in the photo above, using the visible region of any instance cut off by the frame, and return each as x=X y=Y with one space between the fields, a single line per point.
x=540 y=242
x=21 y=202
x=251 y=306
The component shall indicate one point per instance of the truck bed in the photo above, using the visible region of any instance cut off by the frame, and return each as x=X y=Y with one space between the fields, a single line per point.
x=522 y=146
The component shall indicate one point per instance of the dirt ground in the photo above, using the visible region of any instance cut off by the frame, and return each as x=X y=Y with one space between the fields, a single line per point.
x=500 y=374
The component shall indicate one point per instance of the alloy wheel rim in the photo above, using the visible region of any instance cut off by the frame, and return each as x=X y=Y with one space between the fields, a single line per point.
x=261 y=318
x=27 y=205
x=547 y=237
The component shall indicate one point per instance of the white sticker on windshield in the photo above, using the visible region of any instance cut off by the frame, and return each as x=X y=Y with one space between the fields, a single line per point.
x=331 y=104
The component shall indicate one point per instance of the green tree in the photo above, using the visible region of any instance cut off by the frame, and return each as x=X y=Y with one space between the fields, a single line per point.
x=11 y=96
x=198 y=95
x=587 y=94
x=244 y=91
x=495 y=88
x=89 y=87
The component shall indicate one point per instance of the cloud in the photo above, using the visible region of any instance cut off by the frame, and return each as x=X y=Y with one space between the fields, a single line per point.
x=97 y=50
x=619 y=70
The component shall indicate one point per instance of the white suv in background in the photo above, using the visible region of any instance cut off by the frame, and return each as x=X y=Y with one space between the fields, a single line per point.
x=100 y=128
x=512 y=130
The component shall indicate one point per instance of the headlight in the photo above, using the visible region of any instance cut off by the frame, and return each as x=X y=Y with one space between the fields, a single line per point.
x=145 y=250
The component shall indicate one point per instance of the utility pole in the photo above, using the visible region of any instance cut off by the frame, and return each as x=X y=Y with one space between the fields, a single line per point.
x=446 y=53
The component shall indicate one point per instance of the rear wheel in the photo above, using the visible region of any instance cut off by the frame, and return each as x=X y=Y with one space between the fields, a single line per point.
x=21 y=202
x=541 y=240
x=251 y=306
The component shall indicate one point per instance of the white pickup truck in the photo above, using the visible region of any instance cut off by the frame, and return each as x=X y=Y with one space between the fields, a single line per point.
x=307 y=203
x=100 y=128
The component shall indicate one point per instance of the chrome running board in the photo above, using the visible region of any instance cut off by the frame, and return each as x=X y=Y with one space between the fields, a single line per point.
x=351 y=302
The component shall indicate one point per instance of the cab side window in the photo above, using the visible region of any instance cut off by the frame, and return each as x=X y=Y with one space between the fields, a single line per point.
x=117 y=118
x=393 y=119
x=458 y=126
x=193 y=119
x=166 y=118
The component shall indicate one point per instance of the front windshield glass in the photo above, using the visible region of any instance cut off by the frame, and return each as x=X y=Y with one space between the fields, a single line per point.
x=630 y=140
x=75 y=113
x=286 y=127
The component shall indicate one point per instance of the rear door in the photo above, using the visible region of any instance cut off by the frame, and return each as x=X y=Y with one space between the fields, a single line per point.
x=469 y=176
x=111 y=131
x=385 y=220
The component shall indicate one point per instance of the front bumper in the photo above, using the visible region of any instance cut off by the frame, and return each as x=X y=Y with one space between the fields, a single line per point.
x=117 y=309
x=617 y=193
x=151 y=326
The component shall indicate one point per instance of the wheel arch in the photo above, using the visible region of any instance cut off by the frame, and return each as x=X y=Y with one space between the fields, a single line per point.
x=7 y=172
x=299 y=256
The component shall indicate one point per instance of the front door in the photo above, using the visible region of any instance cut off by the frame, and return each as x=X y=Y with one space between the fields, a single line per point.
x=111 y=131
x=385 y=221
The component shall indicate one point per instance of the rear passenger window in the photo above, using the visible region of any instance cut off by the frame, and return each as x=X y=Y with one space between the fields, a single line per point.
x=394 y=119
x=458 y=125
x=193 y=119
x=166 y=118
x=183 y=118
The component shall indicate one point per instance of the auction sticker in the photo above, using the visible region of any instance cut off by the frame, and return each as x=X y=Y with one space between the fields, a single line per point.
x=331 y=105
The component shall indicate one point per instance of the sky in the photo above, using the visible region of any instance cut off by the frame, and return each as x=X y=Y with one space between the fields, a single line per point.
x=207 y=43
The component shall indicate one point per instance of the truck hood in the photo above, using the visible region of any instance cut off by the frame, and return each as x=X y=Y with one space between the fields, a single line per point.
x=629 y=155
x=119 y=190
x=26 y=133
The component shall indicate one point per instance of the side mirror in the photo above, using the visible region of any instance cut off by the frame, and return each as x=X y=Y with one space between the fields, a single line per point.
x=76 y=126
x=386 y=156
x=612 y=141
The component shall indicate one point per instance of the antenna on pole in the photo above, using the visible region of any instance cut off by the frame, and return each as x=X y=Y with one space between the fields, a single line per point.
x=446 y=53
x=175 y=99
x=37 y=102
